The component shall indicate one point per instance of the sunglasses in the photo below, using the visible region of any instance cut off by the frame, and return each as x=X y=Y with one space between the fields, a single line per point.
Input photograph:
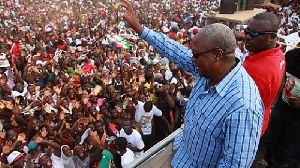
x=254 y=34
x=197 y=55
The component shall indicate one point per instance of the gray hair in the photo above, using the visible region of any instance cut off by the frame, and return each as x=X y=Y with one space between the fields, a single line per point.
x=219 y=36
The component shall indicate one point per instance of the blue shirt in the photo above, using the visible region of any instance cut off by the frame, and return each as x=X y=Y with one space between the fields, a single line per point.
x=222 y=124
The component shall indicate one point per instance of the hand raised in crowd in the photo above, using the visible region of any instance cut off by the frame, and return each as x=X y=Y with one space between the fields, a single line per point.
x=83 y=120
x=21 y=137
x=64 y=110
x=7 y=147
x=57 y=89
x=118 y=108
x=62 y=116
x=9 y=105
x=44 y=132
x=47 y=108
x=130 y=16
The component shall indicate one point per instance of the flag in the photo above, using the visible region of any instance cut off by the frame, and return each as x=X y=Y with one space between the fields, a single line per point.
x=119 y=40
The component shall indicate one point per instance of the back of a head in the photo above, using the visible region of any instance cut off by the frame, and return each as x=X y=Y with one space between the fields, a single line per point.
x=293 y=62
x=272 y=18
x=148 y=106
x=125 y=119
x=175 y=71
x=121 y=142
x=96 y=150
x=219 y=36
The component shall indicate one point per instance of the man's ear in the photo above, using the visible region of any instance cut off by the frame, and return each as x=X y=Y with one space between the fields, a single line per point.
x=218 y=55
x=273 y=37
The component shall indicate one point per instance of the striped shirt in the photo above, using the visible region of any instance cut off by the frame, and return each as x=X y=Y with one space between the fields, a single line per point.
x=222 y=124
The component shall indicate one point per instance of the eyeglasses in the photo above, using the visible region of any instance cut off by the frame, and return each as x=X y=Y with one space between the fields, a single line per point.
x=254 y=34
x=197 y=55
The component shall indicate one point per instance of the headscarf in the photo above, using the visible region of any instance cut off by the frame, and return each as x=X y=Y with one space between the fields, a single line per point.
x=67 y=161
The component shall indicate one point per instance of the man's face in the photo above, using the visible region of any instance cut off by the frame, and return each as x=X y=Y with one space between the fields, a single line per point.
x=93 y=111
x=99 y=128
x=127 y=127
x=67 y=151
x=205 y=62
x=19 y=163
x=261 y=42
x=19 y=87
x=45 y=161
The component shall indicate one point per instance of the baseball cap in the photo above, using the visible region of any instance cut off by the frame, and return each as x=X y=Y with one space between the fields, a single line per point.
x=14 y=156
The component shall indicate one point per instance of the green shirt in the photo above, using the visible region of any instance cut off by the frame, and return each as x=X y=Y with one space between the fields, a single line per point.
x=106 y=157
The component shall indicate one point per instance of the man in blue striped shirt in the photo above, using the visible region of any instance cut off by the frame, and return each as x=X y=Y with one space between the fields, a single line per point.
x=224 y=114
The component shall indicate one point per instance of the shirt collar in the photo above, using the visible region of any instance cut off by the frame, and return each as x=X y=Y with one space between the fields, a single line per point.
x=223 y=86
x=266 y=53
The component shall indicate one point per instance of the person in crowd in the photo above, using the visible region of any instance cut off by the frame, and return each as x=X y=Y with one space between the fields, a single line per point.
x=282 y=146
x=133 y=137
x=143 y=116
x=221 y=105
x=62 y=78
x=127 y=156
x=266 y=62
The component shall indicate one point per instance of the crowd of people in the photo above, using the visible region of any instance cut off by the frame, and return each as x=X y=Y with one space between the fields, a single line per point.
x=79 y=89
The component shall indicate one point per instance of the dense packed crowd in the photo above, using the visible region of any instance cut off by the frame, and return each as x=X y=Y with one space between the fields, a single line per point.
x=79 y=89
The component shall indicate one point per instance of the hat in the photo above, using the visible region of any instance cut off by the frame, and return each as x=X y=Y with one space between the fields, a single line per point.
x=14 y=156
x=3 y=61
x=195 y=29
x=39 y=62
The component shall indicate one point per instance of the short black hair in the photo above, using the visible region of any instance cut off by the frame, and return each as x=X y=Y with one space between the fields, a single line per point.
x=268 y=16
x=148 y=106
x=121 y=142
x=126 y=119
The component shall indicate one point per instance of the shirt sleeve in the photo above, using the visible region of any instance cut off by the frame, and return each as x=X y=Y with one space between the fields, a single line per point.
x=171 y=49
x=10 y=81
x=156 y=111
x=139 y=142
x=242 y=133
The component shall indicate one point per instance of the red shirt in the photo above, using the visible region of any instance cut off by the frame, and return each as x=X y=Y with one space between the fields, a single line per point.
x=266 y=69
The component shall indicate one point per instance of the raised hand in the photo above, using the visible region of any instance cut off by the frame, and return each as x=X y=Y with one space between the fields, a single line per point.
x=62 y=116
x=64 y=110
x=7 y=148
x=104 y=80
x=17 y=100
x=8 y=105
x=47 y=108
x=21 y=137
x=57 y=89
x=130 y=17
x=44 y=132
x=118 y=108
x=2 y=81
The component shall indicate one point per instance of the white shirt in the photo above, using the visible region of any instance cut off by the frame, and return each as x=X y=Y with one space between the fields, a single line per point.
x=135 y=140
x=16 y=93
x=56 y=161
x=145 y=118
x=127 y=158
